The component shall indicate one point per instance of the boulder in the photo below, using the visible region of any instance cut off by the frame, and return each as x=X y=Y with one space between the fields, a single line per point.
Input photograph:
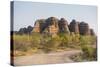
x=92 y=32
x=74 y=27
x=84 y=28
x=63 y=25
x=51 y=25
x=38 y=26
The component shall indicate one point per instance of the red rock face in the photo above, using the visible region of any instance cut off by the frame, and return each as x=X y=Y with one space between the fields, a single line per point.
x=52 y=25
x=52 y=29
x=36 y=27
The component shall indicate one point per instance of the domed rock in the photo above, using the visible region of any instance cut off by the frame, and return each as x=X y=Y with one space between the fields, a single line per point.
x=38 y=25
x=52 y=21
x=74 y=27
x=52 y=25
x=92 y=32
x=49 y=25
x=84 y=28
x=63 y=25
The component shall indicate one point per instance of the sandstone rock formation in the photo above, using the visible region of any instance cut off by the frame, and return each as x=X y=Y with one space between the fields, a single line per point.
x=52 y=25
x=74 y=27
x=49 y=25
x=63 y=25
x=92 y=32
x=84 y=28
x=25 y=30
x=38 y=26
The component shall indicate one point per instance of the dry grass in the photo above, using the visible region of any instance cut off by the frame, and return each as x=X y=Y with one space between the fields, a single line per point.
x=30 y=44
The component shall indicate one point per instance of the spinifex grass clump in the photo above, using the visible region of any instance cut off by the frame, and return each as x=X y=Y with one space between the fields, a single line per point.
x=89 y=50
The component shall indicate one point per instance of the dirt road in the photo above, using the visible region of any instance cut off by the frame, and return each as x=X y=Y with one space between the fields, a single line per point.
x=50 y=58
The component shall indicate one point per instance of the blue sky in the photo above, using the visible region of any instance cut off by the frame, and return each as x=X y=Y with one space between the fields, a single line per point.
x=26 y=13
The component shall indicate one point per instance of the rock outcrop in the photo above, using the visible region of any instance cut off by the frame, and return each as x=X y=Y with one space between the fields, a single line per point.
x=52 y=25
x=92 y=32
x=63 y=25
x=74 y=27
x=84 y=28
x=38 y=26
x=49 y=25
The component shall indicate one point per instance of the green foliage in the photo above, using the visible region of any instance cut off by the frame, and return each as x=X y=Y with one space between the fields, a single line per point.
x=35 y=40
x=89 y=53
x=21 y=42
x=87 y=40
x=75 y=38
x=51 y=43
x=46 y=43
x=65 y=39
x=70 y=40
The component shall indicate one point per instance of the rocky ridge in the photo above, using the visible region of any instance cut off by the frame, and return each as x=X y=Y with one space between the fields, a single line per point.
x=53 y=25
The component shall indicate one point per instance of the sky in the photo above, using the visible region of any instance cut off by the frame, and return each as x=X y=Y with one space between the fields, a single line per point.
x=26 y=13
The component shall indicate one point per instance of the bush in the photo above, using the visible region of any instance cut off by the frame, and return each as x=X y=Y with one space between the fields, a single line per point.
x=66 y=39
x=21 y=42
x=87 y=40
x=35 y=40
x=51 y=43
x=89 y=53
x=47 y=43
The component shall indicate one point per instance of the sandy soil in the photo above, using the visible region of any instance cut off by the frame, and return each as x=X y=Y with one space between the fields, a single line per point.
x=49 y=58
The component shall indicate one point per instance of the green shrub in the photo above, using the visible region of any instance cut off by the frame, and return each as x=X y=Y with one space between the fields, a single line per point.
x=89 y=53
x=87 y=40
x=35 y=40
x=21 y=42
x=66 y=39
x=50 y=44
x=47 y=43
